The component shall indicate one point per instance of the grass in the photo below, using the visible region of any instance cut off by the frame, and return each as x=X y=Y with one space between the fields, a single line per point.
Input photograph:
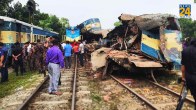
x=17 y=82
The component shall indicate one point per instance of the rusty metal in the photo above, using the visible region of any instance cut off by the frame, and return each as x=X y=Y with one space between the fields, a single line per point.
x=152 y=75
x=173 y=92
x=74 y=86
x=139 y=96
x=27 y=101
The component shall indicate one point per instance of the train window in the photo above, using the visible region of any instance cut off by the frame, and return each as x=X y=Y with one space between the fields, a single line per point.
x=28 y=37
x=23 y=28
x=172 y=24
x=96 y=20
x=1 y=22
x=7 y=26
x=35 y=38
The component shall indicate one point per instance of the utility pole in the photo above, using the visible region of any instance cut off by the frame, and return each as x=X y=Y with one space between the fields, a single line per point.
x=31 y=5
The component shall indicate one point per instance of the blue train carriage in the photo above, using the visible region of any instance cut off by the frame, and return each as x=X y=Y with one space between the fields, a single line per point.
x=12 y=31
x=164 y=42
x=73 y=33
x=89 y=25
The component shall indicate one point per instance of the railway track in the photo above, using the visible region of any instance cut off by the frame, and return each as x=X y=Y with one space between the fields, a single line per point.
x=154 y=95
x=73 y=86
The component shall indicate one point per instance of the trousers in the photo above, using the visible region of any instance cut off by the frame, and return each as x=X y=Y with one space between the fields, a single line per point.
x=68 y=62
x=4 y=74
x=54 y=74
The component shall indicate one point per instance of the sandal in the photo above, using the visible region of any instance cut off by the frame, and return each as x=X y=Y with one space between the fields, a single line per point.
x=56 y=93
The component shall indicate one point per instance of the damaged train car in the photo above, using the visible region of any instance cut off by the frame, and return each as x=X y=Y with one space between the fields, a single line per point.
x=147 y=42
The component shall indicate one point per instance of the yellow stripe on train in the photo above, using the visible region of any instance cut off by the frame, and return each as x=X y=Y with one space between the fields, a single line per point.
x=13 y=36
x=171 y=41
x=151 y=42
x=8 y=36
x=90 y=26
x=71 y=40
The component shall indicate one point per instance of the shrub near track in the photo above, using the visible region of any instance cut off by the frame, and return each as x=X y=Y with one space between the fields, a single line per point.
x=16 y=83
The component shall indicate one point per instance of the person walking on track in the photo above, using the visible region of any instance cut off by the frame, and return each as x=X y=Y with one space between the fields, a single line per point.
x=54 y=61
x=189 y=67
x=68 y=51
x=81 y=53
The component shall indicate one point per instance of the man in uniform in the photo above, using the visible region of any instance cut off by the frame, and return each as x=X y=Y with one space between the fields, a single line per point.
x=189 y=67
x=39 y=50
x=25 y=56
x=17 y=56
x=32 y=57
x=3 y=66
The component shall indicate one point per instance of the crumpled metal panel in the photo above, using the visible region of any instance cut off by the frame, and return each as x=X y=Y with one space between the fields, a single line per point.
x=142 y=62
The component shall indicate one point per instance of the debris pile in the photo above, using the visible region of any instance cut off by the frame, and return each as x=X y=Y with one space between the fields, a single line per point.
x=149 y=41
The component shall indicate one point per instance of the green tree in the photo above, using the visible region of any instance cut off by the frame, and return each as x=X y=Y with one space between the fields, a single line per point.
x=118 y=23
x=188 y=27
x=4 y=7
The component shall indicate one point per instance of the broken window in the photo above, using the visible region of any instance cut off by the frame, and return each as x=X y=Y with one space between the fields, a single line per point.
x=172 y=24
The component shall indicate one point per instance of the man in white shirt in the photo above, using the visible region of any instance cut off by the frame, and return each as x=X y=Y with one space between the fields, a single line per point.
x=63 y=45
x=81 y=53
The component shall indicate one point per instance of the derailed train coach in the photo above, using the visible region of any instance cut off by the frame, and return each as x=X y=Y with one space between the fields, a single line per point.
x=13 y=30
x=146 y=42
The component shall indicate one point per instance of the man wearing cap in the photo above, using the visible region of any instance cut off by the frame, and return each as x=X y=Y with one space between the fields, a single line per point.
x=54 y=61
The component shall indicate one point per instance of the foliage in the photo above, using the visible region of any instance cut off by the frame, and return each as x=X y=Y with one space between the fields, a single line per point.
x=118 y=23
x=16 y=82
x=188 y=27
x=44 y=20
x=4 y=6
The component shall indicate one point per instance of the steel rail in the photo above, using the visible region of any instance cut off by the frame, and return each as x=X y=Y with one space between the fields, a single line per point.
x=30 y=97
x=74 y=86
x=173 y=92
x=132 y=91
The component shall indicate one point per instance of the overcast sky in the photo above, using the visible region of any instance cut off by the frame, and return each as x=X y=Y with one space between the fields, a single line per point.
x=108 y=11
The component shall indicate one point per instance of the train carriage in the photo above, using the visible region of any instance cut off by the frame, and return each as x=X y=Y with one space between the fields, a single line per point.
x=72 y=33
x=13 y=30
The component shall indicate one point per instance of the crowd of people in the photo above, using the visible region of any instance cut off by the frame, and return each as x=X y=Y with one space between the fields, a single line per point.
x=50 y=55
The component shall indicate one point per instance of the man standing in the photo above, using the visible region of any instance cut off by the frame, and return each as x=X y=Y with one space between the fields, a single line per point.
x=55 y=61
x=68 y=50
x=17 y=56
x=38 y=51
x=189 y=67
x=25 y=56
x=81 y=53
x=3 y=66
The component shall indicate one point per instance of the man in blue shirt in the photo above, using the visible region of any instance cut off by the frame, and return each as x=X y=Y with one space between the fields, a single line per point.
x=3 y=66
x=54 y=61
x=68 y=51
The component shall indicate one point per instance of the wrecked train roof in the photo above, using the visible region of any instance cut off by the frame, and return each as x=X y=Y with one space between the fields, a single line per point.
x=146 y=21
